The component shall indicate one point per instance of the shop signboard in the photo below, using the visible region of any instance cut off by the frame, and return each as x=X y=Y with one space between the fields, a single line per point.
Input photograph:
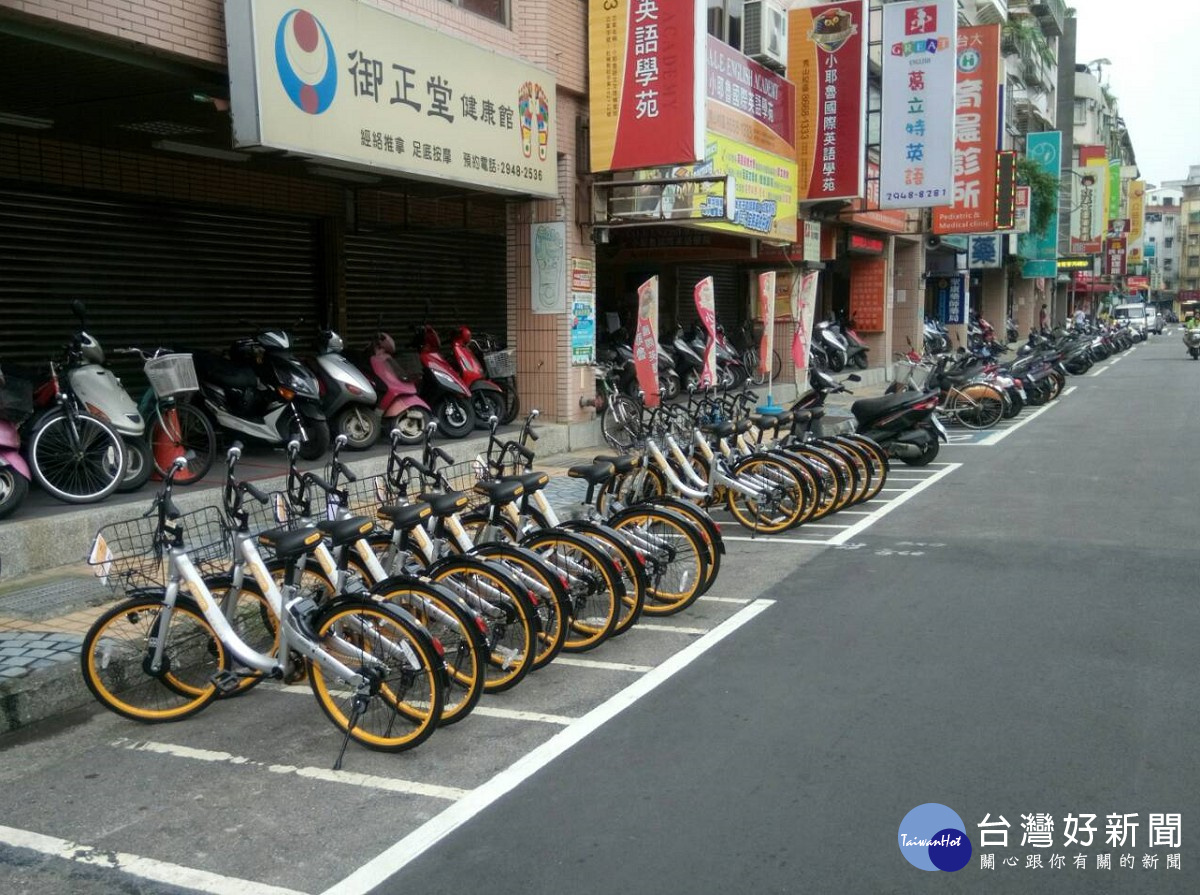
x=976 y=125
x=1021 y=216
x=646 y=85
x=868 y=294
x=952 y=299
x=705 y=301
x=827 y=61
x=548 y=262
x=359 y=87
x=1041 y=249
x=766 y=313
x=1114 y=256
x=645 y=341
x=917 y=130
x=583 y=311
x=985 y=252
x=1088 y=218
x=1137 y=220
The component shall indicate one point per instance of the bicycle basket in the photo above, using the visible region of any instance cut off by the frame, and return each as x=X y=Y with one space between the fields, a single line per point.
x=501 y=364
x=172 y=374
x=464 y=476
x=16 y=399
x=365 y=495
x=126 y=554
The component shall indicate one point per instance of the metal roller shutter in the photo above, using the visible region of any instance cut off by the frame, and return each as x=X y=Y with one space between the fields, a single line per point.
x=148 y=274
x=462 y=276
x=728 y=292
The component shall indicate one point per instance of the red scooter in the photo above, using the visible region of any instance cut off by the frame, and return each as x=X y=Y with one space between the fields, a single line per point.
x=403 y=409
x=486 y=395
x=442 y=387
x=16 y=403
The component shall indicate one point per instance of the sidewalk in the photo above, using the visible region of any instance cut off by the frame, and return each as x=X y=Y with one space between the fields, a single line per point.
x=47 y=606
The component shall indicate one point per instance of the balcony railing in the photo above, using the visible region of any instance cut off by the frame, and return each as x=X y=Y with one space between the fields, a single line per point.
x=1050 y=15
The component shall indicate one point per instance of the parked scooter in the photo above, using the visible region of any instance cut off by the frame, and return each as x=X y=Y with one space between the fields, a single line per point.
x=856 y=349
x=442 y=387
x=404 y=411
x=264 y=392
x=101 y=393
x=347 y=397
x=833 y=344
x=486 y=396
x=904 y=424
x=16 y=404
x=501 y=365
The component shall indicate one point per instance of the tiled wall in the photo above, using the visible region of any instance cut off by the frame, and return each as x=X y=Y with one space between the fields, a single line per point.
x=908 y=298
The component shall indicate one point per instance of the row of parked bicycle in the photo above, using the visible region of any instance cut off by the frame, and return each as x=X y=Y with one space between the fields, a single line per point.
x=85 y=436
x=403 y=598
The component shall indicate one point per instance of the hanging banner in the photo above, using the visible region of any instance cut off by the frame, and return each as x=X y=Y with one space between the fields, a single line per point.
x=1041 y=249
x=1114 y=188
x=706 y=308
x=976 y=125
x=1137 y=220
x=804 y=302
x=917 y=131
x=827 y=61
x=1088 y=217
x=1114 y=256
x=952 y=299
x=868 y=294
x=645 y=341
x=647 y=84
x=766 y=313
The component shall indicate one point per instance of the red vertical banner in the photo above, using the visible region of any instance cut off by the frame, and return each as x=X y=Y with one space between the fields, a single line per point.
x=804 y=302
x=766 y=313
x=645 y=341
x=706 y=308
x=1114 y=256
x=868 y=294
x=976 y=134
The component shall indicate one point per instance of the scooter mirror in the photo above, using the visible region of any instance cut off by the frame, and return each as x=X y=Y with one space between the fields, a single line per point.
x=80 y=311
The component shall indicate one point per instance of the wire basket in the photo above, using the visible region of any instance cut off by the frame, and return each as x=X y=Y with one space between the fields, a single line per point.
x=127 y=554
x=366 y=495
x=172 y=374
x=501 y=364
x=464 y=476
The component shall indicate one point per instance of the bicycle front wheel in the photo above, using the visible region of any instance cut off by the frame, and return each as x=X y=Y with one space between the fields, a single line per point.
x=621 y=422
x=181 y=430
x=76 y=457
x=118 y=652
x=398 y=703
x=676 y=558
x=594 y=588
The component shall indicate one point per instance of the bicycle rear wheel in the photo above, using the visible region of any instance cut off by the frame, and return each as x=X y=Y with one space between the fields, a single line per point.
x=117 y=652
x=594 y=587
x=76 y=457
x=778 y=503
x=676 y=558
x=400 y=704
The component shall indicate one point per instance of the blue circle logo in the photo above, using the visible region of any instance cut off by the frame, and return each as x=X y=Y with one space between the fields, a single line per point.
x=933 y=837
x=305 y=61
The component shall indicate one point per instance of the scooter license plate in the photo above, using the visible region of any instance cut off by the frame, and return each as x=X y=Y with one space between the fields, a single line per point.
x=937 y=424
x=1021 y=392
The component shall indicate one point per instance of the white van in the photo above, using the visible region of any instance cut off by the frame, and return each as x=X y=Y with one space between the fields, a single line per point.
x=1134 y=315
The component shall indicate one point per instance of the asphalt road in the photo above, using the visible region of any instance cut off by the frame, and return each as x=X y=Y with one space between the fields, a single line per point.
x=1013 y=635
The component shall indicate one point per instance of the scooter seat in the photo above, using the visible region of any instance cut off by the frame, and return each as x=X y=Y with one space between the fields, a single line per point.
x=873 y=408
x=346 y=531
x=594 y=474
x=502 y=492
x=622 y=464
x=447 y=504
x=223 y=371
x=288 y=544
x=405 y=516
x=530 y=481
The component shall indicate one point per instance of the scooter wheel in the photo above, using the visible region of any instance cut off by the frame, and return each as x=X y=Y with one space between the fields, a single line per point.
x=361 y=425
x=455 y=417
x=139 y=463
x=316 y=444
x=13 y=489
x=411 y=425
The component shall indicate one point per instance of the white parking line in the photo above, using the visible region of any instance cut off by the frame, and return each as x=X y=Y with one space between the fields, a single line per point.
x=173 y=875
x=488 y=711
x=668 y=629
x=367 y=781
x=1066 y=391
x=863 y=524
x=600 y=665
x=997 y=437
x=738 y=600
x=433 y=831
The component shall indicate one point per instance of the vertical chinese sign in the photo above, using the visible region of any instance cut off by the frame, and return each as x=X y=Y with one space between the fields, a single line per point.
x=1137 y=220
x=646 y=65
x=645 y=341
x=917 y=132
x=583 y=311
x=766 y=313
x=827 y=61
x=1114 y=256
x=976 y=126
x=1087 y=211
x=1041 y=249
x=868 y=294
x=706 y=308
x=348 y=82
x=952 y=299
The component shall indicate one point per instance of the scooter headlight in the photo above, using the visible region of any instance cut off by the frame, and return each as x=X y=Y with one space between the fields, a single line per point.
x=302 y=385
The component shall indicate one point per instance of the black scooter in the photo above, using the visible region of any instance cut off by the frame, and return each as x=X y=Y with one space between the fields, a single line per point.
x=905 y=424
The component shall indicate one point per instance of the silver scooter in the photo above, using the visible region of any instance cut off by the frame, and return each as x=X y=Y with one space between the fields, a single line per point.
x=347 y=396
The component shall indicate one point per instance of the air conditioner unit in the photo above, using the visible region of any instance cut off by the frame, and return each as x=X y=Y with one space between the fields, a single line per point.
x=764 y=33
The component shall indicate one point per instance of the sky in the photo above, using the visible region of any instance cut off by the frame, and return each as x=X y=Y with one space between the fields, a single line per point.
x=1155 y=76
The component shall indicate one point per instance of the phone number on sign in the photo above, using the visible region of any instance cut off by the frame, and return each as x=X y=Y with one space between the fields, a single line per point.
x=523 y=171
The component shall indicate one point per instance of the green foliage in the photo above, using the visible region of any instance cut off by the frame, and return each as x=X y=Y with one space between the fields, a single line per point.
x=1024 y=35
x=1043 y=193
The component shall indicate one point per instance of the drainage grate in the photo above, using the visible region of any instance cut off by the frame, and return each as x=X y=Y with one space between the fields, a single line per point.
x=58 y=597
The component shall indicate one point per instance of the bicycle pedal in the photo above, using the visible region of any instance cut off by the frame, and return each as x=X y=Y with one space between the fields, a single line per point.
x=226 y=682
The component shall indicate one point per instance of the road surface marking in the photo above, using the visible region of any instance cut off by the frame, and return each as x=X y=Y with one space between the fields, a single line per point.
x=416 y=843
x=367 y=781
x=892 y=504
x=740 y=601
x=643 y=625
x=1000 y=436
x=514 y=715
x=173 y=875
x=576 y=662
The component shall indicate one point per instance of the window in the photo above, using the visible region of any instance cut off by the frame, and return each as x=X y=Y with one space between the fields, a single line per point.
x=496 y=10
x=725 y=21
x=1080 y=111
x=1167 y=241
x=1168 y=263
